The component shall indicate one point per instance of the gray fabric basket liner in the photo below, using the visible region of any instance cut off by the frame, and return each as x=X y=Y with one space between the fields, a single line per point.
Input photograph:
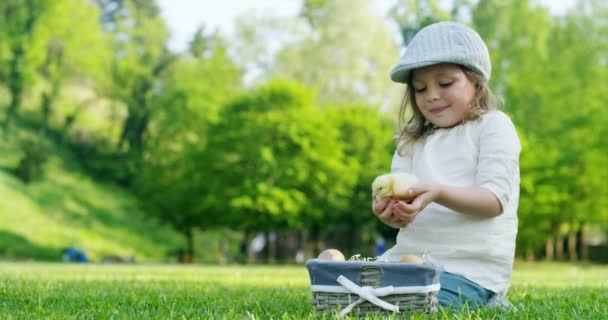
x=393 y=274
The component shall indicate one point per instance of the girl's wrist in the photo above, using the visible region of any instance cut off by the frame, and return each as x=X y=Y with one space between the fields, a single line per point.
x=439 y=192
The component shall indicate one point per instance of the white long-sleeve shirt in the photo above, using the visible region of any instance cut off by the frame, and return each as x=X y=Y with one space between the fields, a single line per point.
x=484 y=153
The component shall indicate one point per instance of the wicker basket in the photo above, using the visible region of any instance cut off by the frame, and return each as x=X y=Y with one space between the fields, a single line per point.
x=358 y=288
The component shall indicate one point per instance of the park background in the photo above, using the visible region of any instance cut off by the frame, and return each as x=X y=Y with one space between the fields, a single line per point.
x=116 y=144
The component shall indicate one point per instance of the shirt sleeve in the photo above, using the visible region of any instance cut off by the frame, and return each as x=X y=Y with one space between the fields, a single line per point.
x=402 y=163
x=498 y=165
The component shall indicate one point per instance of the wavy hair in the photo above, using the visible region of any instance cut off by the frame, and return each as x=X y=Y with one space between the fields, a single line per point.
x=416 y=126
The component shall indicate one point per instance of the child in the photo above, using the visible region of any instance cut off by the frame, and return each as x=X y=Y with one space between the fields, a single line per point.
x=466 y=155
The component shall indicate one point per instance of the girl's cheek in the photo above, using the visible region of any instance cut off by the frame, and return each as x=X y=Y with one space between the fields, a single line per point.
x=419 y=101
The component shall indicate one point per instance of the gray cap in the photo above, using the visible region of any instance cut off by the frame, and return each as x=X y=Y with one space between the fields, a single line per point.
x=444 y=42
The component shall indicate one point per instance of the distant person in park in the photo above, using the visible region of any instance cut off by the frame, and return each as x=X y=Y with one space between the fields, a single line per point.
x=242 y=255
x=74 y=255
x=380 y=245
x=465 y=153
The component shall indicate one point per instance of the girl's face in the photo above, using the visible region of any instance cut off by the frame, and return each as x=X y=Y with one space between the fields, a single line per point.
x=443 y=93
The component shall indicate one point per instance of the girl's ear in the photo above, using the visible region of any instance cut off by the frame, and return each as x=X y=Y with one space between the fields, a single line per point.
x=478 y=86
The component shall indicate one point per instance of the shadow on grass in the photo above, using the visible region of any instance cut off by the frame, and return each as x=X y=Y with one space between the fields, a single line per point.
x=12 y=180
x=7 y=170
x=15 y=246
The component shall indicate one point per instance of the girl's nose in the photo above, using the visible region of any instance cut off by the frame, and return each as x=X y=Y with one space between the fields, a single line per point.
x=432 y=94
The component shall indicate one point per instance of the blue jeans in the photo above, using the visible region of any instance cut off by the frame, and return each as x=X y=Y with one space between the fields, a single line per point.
x=457 y=291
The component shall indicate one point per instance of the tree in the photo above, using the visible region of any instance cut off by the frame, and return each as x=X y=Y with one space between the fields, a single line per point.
x=69 y=56
x=193 y=89
x=40 y=52
x=342 y=48
x=367 y=136
x=272 y=162
x=352 y=50
x=18 y=21
x=141 y=57
x=413 y=15
x=276 y=155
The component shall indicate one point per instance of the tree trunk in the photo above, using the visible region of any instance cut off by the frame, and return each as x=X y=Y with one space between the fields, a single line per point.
x=223 y=245
x=16 y=77
x=134 y=128
x=51 y=70
x=71 y=118
x=529 y=254
x=138 y=113
x=584 y=243
x=243 y=256
x=549 y=249
x=315 y=239
x=269 y=250
x=45 y=108
x=15 y=85
x=189 y=254
x=559 y=248
x=301 y=247
x=352 y=241
x=572 y=244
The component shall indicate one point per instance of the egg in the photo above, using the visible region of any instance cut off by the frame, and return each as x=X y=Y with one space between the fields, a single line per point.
x=331 y=255
x=410 y=258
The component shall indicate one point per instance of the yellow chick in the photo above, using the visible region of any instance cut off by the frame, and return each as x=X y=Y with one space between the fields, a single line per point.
x=393 y=185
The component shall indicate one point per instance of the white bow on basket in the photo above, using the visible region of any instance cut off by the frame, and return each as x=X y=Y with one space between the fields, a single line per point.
x=367 y=293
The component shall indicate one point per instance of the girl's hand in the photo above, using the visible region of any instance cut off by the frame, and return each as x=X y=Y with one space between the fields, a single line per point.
x=383 y=209
x=422 y=195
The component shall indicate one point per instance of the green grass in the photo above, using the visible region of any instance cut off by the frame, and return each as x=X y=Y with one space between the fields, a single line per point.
x=55 y=291
x=67 y=208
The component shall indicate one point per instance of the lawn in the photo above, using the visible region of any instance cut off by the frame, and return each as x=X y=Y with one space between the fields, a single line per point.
x=59 y=291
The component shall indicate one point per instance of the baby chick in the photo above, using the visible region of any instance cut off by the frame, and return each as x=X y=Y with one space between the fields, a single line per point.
x=393 y=185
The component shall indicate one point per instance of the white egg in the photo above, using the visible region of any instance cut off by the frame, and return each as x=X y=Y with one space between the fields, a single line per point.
x=331 y=255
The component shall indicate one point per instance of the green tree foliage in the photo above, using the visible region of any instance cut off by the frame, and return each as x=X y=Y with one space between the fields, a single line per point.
x=31 y=165
x=413 y=15
x=19 y=22
x=272 y=161
x=351 y=49
x=313 y=10
x=67 y=56
x=193 y=90
x=342 y=48
x=39 y=43
x=367 y=136
x=256 y=41
x=139 y=37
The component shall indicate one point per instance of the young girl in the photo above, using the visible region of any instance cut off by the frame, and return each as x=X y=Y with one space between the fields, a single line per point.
x=466 y=155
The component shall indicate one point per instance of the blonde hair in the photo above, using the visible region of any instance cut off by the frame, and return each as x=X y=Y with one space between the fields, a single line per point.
x=417 y=126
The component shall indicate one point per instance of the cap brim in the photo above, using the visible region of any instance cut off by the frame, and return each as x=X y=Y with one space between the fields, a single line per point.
x=401 y=72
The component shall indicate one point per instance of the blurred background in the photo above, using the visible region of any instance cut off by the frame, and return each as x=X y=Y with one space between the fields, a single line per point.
x=250 y=131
